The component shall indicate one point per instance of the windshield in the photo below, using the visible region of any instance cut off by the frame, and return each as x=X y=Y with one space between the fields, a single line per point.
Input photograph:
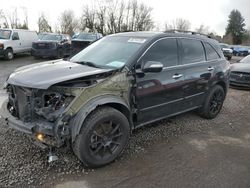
x=5 y=34
x=51 y=37
x=110 y=52
x=224 y=46
x=85 y=36
x=245 y=59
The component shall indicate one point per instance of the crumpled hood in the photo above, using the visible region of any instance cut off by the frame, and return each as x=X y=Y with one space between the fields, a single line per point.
x=241 y=67
x=43 y=75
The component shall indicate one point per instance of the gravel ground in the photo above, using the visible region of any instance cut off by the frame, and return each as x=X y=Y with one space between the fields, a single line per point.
x=184 y=151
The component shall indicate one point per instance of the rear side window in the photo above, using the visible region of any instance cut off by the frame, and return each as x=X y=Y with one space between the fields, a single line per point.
x=164 y=51
x=211 y=52
x=192 y=51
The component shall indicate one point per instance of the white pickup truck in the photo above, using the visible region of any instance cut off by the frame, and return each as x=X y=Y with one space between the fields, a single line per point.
x=14 y=41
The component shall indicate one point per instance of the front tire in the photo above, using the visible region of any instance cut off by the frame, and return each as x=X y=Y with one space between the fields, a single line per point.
x=9 y=55
x=213 y=102
x=60 y=54
x=102 y=138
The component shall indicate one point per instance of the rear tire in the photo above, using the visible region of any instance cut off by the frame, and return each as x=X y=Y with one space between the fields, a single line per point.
x=102 y=138
x=213 y=103
x=9 y=55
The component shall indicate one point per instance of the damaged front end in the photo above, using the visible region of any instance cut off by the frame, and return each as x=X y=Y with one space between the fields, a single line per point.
x=37 y=112
x=45 y=114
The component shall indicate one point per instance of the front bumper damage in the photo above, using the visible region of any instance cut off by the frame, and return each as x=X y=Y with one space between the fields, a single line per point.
x=50 y=135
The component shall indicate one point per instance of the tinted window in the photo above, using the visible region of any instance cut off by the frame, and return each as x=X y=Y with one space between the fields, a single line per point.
x=211 y=53
x=15 y=36
x=110 y=52
x=192 y=51
x=164 y=51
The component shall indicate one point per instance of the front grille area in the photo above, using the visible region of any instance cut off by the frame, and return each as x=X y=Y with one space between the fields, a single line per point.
x=240 y=76
x=42 y=45
x=20 y=101
x=80 y=44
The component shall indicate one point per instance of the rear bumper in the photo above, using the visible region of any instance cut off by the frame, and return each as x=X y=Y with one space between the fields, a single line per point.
x=44 y=52
x=31 y=129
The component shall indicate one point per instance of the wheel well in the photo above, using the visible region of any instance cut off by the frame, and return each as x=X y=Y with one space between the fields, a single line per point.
x=123 y=109
x=9 y=48
x=223 y=85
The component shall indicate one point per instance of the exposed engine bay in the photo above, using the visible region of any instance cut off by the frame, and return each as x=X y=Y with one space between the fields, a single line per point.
x=29 y=104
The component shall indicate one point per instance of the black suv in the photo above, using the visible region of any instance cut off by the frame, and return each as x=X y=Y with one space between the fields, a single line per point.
x=52 y=45
x=82 y=40
x=94 y=100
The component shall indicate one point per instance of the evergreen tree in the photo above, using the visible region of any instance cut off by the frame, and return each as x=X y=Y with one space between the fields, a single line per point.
x=235 y=27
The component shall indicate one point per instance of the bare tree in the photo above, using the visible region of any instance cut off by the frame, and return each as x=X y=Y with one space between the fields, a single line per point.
x=68 y=22
x=203 y=29
x=182 y=24
x=114 y=16
x=3 y=20
x=101 y=18
x=179 y=24
x=143 y=18
x=43 y=24
x=12 y=20
x=88 y=19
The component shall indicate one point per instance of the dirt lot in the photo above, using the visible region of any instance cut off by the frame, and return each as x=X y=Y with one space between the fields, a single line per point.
x=185 y=151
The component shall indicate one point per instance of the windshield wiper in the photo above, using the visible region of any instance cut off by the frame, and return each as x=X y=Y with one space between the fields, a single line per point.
x=88 y=63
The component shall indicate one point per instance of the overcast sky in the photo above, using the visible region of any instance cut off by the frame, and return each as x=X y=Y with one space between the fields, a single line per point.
x=212 y=13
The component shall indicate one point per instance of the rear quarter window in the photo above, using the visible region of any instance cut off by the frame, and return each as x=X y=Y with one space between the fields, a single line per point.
x=211 y=52
x=192 y=51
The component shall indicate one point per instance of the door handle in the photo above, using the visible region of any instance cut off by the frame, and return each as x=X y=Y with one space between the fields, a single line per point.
x=210 y=68
x=177 y=76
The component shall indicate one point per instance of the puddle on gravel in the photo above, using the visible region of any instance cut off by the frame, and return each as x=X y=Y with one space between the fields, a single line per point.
x=181 y=163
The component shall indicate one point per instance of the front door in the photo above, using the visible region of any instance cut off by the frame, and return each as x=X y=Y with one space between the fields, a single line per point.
x=160 y=94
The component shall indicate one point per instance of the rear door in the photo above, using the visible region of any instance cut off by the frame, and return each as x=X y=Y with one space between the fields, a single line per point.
x=198 y=72
x=160 y=94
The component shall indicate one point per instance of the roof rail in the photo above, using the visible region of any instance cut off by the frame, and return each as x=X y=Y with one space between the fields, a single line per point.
x=186 y=32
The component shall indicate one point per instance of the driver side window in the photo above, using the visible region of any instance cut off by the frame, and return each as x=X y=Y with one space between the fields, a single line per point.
x=15 y=36
x=164 y=51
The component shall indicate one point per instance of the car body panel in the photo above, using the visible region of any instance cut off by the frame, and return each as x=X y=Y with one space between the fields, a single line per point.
x=44 y=75
x=240 y=75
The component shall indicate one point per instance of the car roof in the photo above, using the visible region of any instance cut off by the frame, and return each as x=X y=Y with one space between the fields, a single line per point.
x=152 y=35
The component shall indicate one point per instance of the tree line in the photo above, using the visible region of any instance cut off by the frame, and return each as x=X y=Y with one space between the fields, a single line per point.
x=105 y=17
x=114 y=16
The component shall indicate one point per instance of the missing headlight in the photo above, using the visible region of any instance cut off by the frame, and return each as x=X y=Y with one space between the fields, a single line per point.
x=53 y=105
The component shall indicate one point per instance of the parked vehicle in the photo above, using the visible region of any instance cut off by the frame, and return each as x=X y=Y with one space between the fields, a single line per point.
x=15 y=41
x=82 y=40
x=227 y=51
x=41 y=35
x=52 y=45
x=121 y=82
x=240 y=73
x=240 y=51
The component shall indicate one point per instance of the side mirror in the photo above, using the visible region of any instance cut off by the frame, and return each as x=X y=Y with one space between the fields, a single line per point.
x=152 y=66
